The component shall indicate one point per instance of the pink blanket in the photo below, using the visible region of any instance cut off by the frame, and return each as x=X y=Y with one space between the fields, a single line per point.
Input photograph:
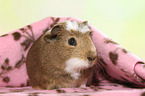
x=117 y=72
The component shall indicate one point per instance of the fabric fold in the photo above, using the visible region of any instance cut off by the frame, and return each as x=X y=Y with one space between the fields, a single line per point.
x=115 y=60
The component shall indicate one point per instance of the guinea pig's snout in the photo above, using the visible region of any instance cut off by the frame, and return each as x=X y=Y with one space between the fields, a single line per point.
x=91 y=55
x=91 y=58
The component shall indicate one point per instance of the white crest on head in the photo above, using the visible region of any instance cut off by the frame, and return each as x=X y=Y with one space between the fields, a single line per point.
x=73 y=65
x=73 y=25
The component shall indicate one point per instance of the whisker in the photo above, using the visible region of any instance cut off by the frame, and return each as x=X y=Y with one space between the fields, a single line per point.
x=100 y=65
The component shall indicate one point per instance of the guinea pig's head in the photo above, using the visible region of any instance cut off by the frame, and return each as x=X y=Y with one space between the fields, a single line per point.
x=73 y=44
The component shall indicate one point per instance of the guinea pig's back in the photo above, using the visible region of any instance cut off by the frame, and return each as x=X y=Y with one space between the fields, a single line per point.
x=33 y=60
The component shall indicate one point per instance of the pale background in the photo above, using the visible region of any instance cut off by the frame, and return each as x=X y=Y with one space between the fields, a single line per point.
x=121 y=20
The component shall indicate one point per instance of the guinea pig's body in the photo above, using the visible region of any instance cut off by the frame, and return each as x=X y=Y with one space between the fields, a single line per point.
x=62 y=58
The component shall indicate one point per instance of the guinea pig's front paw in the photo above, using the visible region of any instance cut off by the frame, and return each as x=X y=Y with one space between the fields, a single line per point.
x=53 y=87
x=83 y=86
x=60 y=85
x=36 y=87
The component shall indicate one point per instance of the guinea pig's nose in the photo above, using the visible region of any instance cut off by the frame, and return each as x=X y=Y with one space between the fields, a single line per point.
x=91 y=58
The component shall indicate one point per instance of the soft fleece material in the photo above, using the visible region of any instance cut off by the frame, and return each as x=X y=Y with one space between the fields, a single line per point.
x=123 y=73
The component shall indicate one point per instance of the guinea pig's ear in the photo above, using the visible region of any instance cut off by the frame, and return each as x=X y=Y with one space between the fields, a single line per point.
x=53 y=35
x=85 y=23
x=56 y=29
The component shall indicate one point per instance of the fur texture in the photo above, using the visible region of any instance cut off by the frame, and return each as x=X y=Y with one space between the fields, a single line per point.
x=56 y=60
x=73 y=25
x=75 y=64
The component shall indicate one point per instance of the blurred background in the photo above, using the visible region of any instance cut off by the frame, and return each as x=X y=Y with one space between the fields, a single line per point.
x=121 y=20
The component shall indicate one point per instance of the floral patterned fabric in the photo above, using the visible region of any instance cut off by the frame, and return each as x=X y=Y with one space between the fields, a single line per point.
x=121 y=73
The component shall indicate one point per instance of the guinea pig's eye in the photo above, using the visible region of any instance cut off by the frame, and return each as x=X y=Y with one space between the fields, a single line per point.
x=72 y=42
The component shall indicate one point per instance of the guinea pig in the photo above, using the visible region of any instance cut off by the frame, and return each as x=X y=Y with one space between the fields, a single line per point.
x=62 y=57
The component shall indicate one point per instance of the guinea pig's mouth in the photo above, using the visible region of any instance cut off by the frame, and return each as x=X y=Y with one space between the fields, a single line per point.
x=92 y=63
x=77 y=64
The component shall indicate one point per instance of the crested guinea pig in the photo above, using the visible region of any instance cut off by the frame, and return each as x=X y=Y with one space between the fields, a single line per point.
x=62 y=57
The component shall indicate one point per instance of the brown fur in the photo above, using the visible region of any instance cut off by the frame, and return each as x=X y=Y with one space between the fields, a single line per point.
x=46 y=59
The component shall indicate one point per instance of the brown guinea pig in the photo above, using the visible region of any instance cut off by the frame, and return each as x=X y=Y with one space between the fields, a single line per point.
x=62 y=57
